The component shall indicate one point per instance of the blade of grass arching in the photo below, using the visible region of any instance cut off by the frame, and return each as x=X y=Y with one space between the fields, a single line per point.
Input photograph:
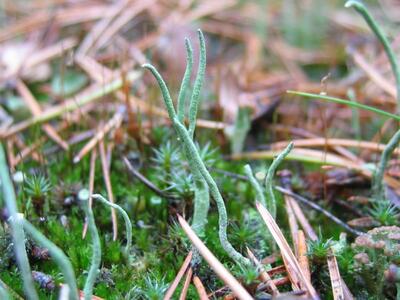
x=331 y=142
x=286 y=252
x=362 y=10
x=178 y=277
x=303 y=155
x=186 y=284
x=346 y=102
x=214 y=263
x=17 y=229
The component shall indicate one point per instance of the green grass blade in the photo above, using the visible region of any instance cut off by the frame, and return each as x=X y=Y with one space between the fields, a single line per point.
x=345 y=102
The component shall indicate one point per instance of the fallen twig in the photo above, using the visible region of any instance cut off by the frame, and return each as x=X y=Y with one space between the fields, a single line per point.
x=214 y=263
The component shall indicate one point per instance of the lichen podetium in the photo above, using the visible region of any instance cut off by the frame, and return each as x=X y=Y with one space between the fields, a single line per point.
x=203 y=179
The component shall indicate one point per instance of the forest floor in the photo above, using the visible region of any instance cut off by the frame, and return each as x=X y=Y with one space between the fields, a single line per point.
x=79 y=113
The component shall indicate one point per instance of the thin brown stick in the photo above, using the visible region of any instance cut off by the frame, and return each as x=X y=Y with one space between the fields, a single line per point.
x=10 y=154
x=41 y=56
x=287 y=253
x=107 y=181
x=186 y=284
x=178 y=277
x=263 y=274
x=93 y=35
x=92 y=171
x=302 y=255
x=126 y=15
x=214 y=263
x=36 y=110
x=114 y=122
x=374 y=75
x=89 y=95
x=320 y=209
x=26 y=151
x=294 y=228
x=336 y=280
x=201 y=291
x=100 y=73
x=69 y=16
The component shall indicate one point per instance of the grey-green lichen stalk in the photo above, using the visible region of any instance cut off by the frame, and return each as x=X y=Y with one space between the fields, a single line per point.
x=17 y=229
x=57 y=254
x=128 y=224
x=196 y=164
x=271 y=201
x=270 y=204
x=96 y=245
x=377 y=182
x=256 y=185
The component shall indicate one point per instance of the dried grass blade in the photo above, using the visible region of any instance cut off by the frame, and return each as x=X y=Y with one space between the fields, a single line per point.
x=119 y=22
x=263 y=274
x=10 y=154
x=334 y=274
x=101 y=25
x=90 y=95
x=114 y=122
x=36 y=110
x=332 y=142
x=302 y=219
x=294 y=228
x=303 y=154
x=179 y=276
x=201 y=291
x=302 y=255
x=107 y=181
x=186 y=284
x=287 y=253
x=214 y=263
x=92 y=171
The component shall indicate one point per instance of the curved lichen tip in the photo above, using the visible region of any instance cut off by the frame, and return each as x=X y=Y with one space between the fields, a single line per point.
x=351 y=3
x=185 y=81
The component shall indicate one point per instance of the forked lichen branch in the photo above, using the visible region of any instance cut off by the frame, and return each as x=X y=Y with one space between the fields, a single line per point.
x=196 y=164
